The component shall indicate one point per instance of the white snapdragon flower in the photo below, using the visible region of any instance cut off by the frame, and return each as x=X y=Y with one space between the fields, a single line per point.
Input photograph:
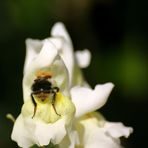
x=70 y=126
x=47 y=112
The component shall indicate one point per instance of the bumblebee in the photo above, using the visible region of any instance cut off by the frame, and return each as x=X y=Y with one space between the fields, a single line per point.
x=41 y=88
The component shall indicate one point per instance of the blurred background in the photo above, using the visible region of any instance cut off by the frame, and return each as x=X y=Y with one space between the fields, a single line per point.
x=116 y=33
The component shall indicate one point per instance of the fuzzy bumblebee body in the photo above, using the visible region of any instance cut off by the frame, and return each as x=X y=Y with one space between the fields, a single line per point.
x=42 y=89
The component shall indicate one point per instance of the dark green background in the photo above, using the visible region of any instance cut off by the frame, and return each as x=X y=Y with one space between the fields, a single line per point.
x=116 y=32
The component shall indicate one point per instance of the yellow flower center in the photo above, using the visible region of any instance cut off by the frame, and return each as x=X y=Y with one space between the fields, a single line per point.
x=49 y=110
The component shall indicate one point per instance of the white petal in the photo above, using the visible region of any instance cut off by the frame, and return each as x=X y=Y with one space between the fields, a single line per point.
x=87 y=100
x=46 y=56
x=23 y=137
x=27 y=132
x=57 y=41
x=83 y=58
x=96 y=137
x=92 y=135
x=59 y=30
x=117 y=130
x=66 y=51
x=41 y=57
x=33 y=47
x=54 y=132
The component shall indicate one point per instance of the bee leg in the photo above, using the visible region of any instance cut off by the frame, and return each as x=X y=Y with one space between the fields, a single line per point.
x=35 y=105
x=54 y=97
x=55 y=89
x=55 y=109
